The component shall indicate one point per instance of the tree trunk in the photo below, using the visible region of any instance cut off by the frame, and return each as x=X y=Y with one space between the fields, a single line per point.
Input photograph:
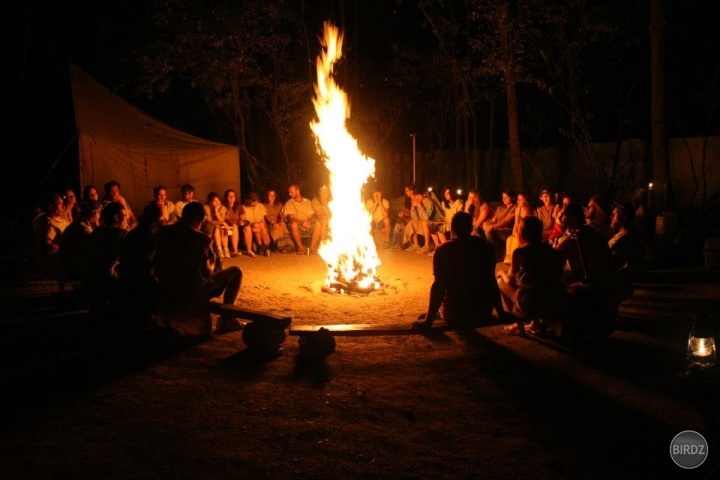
x=512 y=104
x=660 y=159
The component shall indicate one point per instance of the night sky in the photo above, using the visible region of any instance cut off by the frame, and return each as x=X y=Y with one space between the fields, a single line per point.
x=101 y=35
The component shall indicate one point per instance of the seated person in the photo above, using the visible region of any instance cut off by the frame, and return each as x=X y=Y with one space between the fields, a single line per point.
x=465 y=286
x=449 y=206
x=301 y=221
x=532 y=287
x=626 y=247
x=215 y=225
x=422 y=213
x=379 y=209
x=183 y=263
x=255 y=213
x=596 y=215
x=112 y=194
x=480 y=210
x=167 y=207
x=277 y=228
x=558 y=228
x=500 y=226
x=590 y=275
x=403 y=217
x=137 y=282
x=547 y=212
x=235 y=219
x=100 y=280
x=73 y=243
x=187 y=194
x=49 y=228
x=321 y=207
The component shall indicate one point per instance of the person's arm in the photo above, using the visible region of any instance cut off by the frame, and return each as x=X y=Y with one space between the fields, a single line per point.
x=507 y=219
x=437 y=292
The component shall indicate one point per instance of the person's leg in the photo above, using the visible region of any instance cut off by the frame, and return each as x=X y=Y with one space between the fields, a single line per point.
x=425 y=229
x=234 y=239
x=315 y=239
x=226 y=282
x=295 y=235
x=217 y=237
x=386 y=231
x=247 y=239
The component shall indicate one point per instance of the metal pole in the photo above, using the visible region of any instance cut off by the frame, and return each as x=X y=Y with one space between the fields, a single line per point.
x=413 y=155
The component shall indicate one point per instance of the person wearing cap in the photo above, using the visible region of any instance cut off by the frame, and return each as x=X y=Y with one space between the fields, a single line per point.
x=547 y=212
x=73 y=242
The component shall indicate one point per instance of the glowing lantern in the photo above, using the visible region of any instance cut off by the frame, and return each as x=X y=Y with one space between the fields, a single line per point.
x=350 y=253
x=701 y=352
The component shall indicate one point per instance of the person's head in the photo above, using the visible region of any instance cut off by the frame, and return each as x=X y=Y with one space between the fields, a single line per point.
x=112 y=190
x=90 y=212
x=213 y=199
x=70 y=198
x=55 y=205
x=271 y=197
x=449 y=195
x=596 y=208
x=474 y=197
x=324 y=193
x=294 y=192
x=160 y=194
x=531 y=230
x=193 y=215
x=410 y=189
x=150 y=214
x=377 y=195
x=90 y=192
x=623 y=216
x=230 y=197
x=188 y=192
x=567 y=198
x=507 y=197
x=252 y=199
x=461 y=224
x=522 y=200
x=573 y=216
x=546 y=196
x=114 y=215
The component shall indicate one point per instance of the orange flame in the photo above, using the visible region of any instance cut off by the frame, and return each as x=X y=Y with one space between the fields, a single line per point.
x=350 y=253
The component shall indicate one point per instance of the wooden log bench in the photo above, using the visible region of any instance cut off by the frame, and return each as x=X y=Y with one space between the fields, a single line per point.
x=264 y=319
x=369 y=330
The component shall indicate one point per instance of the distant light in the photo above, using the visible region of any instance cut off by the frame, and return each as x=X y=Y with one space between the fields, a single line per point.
x=459 y=191
x=650 y=185
x=429 y=189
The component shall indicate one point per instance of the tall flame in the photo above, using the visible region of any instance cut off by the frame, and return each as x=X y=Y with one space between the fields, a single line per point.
x=350 y=253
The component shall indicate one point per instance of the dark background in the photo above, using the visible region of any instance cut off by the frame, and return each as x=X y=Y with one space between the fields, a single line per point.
x=101 y=36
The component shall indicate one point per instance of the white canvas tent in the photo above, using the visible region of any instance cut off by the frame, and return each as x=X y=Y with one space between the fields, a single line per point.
x=118 y=141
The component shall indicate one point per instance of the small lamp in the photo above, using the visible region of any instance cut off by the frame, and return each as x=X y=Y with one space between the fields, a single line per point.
x=701 y=350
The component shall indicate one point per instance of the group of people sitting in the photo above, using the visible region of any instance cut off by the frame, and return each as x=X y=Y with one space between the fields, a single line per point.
x=166 y=258
x=559 y=268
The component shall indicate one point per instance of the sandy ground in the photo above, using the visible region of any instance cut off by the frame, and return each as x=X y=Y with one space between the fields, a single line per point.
x=85 y=402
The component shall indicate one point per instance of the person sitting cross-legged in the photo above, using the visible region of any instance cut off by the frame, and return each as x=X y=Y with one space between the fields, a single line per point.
x=184 y=264
x=464 y=286
x=379 y=209
x=532 y=288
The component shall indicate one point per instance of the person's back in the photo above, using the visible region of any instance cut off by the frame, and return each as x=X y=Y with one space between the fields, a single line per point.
x=180 y=260
x=466 y=267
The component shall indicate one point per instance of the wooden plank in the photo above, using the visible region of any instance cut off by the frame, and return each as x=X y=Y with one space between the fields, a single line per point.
x=254 y=316
x=364 y=329
x=367 y=329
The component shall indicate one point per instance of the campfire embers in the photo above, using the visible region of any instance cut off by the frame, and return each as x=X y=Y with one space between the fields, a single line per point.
x=362 y=281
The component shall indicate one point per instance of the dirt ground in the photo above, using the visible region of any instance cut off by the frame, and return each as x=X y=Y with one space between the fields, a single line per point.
x=86 y=401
